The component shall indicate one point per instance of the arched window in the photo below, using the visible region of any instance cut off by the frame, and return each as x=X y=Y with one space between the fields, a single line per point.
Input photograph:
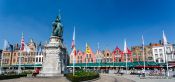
x=107 y=54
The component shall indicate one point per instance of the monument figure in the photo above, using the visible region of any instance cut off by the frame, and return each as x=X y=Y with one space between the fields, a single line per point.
x=57 y=28
x=54 y=63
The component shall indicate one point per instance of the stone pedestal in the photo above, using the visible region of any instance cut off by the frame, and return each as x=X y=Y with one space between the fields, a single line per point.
x=54 y=60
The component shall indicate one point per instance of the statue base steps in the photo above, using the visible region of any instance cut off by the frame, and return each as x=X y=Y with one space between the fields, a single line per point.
x=50 y=75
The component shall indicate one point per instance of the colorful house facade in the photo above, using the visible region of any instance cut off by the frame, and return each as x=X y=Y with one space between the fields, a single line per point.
x=89 y=56
x=117 y=55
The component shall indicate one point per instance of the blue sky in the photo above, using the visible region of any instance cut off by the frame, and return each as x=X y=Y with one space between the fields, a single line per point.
x=108 y=22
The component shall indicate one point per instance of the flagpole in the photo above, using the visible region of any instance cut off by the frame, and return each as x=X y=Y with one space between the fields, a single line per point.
x=19 y=63
x=125 y=53
x=166 y=61
x=20 y=51
x=36 y=54
x=86 y=64
x=74 y=50
x=73 y=65
x=126 y=63
x=98 y=53
x=166 y=57
x=143 y=54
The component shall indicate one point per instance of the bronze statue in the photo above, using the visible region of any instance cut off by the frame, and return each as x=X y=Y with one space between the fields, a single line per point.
x=57 y=28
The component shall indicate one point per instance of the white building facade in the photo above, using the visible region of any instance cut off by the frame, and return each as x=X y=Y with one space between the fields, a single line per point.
x=160 y=53
x=39 y=54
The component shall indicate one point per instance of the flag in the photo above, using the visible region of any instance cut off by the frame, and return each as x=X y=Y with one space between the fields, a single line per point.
x=74 y=52
x=98 y=51
x=24 y=47
x=73 y=39
x=39 y=48
x=88 y=49
x=164 y=39
x=143 y=42
x=6 y=45
x=125 y=47
x=22 y=43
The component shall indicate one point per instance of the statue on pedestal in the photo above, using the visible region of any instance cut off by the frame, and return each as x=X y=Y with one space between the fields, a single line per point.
x=54 y=53
x=57 y=28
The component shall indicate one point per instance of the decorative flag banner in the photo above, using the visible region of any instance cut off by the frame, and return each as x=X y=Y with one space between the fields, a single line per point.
x=24 y=46
x=6 y=45
x=125 y=47
x=73 y=40
x=88 y=49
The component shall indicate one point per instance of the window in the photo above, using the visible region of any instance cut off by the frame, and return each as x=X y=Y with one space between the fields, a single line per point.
x=14 y=60
x=40 y=59
x=168 y=49
x=107 y=54
x=134 y=54
x=25 y=59
x=37 y=59
x=160 y=50
x=156 y=55
x=155 y=50
x=33 y=59
x=150 y=58
x=18 y=60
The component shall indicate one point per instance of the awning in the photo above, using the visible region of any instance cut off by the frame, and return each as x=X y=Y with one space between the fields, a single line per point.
x=28 y=65
x=117 y=64
x=148 y=67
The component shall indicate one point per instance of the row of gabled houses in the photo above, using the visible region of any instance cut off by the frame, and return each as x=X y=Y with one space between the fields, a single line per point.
x=100 y=56
x=10 y=56
x=154 y=52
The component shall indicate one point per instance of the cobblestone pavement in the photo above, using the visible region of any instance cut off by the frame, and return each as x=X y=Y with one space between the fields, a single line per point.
x=112 y=78
x=103 y=78
x=60 y=79
x=137 y=79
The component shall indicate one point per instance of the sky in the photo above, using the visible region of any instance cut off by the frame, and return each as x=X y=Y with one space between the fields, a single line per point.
x=108 y=22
